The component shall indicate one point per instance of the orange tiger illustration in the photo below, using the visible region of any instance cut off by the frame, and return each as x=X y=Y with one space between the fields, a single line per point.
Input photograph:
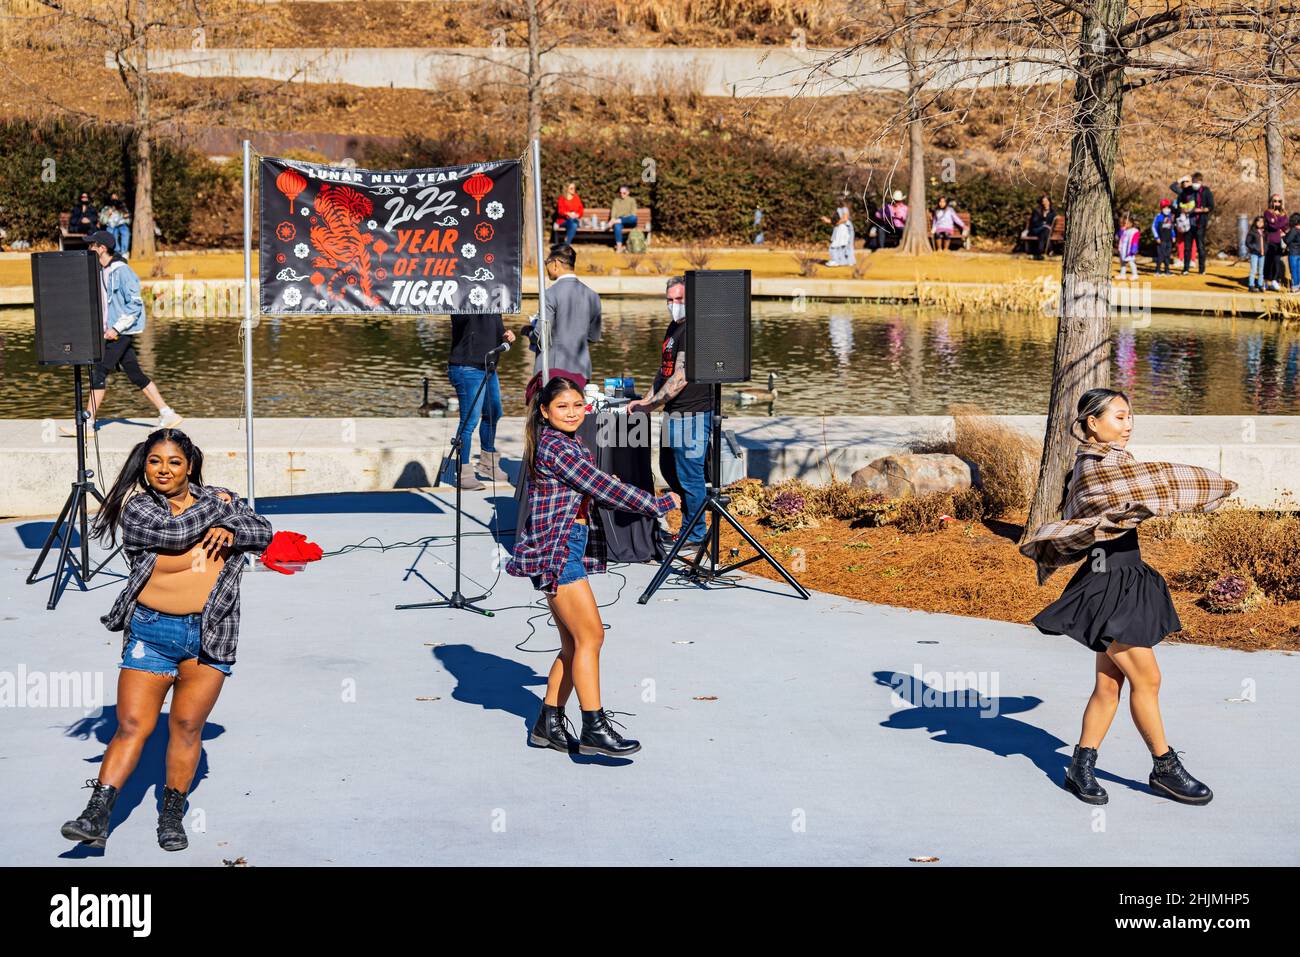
x=340 y=245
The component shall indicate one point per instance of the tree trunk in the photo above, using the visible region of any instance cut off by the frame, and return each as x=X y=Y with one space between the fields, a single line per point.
x=916 y=232
x=1273 y=146
x=143 y=245
x=1082 y=359
x=534 y=129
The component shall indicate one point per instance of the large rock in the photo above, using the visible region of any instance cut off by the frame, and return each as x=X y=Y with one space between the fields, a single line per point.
x=907 y=475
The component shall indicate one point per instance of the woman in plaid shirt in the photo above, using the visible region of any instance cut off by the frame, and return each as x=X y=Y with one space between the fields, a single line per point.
x=1117 y=605
x=179 y=618
x=552 y=550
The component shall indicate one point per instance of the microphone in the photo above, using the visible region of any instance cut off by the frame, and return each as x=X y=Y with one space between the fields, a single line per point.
x=504 y=347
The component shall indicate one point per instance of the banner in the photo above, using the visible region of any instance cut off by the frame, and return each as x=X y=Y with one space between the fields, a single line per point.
x=337 y=240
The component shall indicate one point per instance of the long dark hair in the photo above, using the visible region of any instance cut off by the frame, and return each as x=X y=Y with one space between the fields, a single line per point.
x=535 y=423
x=132 y=477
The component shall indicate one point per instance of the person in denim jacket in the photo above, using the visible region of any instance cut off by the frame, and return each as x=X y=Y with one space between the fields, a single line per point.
x=123 y=321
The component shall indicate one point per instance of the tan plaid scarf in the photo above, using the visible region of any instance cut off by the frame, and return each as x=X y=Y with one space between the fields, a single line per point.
x=1110 y=492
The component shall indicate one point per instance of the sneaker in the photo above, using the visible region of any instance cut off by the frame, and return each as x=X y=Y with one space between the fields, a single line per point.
x=1275 y=286
x=170 y=419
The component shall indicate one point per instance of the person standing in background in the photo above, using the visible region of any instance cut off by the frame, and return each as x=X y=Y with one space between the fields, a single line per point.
x=573 y=314
x=1276 y=222
x=472 y=338
x=688 y=416
x=1202 y=207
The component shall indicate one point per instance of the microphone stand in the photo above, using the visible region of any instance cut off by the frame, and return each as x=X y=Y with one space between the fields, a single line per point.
x=457 y=451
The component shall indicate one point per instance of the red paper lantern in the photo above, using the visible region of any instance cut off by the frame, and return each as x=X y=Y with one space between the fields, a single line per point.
x=478 y=186
x=291 y=183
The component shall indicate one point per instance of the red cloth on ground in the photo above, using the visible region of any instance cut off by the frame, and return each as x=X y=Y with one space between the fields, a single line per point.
x=289 y=547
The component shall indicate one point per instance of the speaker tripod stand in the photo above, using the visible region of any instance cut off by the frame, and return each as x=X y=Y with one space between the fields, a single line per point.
x=73 y=517
x=706 y=566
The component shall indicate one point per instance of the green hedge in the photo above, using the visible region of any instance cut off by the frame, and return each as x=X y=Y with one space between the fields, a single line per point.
x=48 y=165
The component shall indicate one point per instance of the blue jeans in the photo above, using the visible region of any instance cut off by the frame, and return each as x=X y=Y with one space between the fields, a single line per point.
x=1294 y=263
x=159 y=642
x=686 y=440
x=122 y=239
x=622 y=223
x=465 y=380
x=1256 y=271
x=570 y=230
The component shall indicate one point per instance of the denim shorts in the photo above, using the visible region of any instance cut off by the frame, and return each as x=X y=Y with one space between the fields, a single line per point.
x=573 y=569
x=159 y=642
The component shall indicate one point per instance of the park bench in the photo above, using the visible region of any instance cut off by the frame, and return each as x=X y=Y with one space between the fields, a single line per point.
x=68 y=239
x=594 y=222
x=1054 y=244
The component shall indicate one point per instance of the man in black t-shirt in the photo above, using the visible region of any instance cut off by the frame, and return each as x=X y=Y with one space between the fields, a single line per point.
x=688 y=419
x=472 y=338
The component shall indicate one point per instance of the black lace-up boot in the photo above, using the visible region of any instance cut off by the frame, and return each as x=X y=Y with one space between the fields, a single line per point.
x=92 y=825
x=1170 y=778
x=549 y=730
x=171 y=824
x=599 y=736
x=1079 y=779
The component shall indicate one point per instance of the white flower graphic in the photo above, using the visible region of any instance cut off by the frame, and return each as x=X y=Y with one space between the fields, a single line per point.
x=464 y=211
x=495 y=210
x=306 y=211
x=301 y=251
x=478 y=296
x=372 y=225
x=468 y=250
x=292 y=296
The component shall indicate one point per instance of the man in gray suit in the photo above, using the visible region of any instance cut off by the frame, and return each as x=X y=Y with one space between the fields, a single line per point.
x=573 y=311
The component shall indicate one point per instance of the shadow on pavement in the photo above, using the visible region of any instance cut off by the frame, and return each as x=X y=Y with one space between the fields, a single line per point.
x=151 y=771
x=500 y=684
x=977 y=721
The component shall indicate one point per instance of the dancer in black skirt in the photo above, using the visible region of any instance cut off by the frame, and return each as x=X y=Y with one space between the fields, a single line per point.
x=1116 y=604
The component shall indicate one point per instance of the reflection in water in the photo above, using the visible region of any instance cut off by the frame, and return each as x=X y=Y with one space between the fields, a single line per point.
x=835 y=359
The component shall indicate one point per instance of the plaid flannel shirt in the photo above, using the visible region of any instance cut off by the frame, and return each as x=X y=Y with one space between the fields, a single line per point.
x=565 y=473
x=1110 y=493
x=148 y=526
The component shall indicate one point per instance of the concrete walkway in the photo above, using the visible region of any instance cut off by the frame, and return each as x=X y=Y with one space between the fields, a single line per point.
x=775 y=731
x=312 y=455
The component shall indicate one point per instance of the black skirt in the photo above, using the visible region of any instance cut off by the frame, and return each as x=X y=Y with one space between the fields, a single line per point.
x=1114 y=596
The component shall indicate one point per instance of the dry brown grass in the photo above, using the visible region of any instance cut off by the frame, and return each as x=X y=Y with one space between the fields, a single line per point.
x=1261 y=546
x=698 y=256
x=1004 y=460
x=807 y=261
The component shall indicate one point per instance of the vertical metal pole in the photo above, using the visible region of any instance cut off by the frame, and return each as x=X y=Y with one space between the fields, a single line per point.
x=248 y=317
x=543 y=325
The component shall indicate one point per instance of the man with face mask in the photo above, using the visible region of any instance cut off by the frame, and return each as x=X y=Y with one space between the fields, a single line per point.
x=688 y=419
x=1202 y=200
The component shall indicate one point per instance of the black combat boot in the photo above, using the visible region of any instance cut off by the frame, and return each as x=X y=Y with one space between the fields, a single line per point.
x=599 y=736
x=92 y=825
x=1170 y=778
x=549 y=730
x=171 y=824
x=1079 y=779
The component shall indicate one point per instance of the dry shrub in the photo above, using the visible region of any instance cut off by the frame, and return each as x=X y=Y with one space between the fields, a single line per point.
x=1004 y=459
x=1257 y=545
x=847 y=503
x=748 y=498
x=1181 y=526
x=698 y=256
x=925 y=513
x=808 y=260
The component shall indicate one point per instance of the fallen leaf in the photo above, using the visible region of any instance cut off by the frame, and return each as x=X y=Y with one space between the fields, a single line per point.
x=924 y=859
x=706 y=697
x=428 y=699
x=237 y=862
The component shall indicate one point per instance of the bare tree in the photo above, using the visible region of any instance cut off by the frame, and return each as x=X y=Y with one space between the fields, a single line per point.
x=126 y=32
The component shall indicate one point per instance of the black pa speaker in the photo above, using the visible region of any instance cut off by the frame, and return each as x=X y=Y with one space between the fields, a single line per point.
x=717 y=325
x=69 y=308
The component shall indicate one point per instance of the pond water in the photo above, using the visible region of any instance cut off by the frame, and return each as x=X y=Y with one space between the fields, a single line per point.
x=832 y=359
